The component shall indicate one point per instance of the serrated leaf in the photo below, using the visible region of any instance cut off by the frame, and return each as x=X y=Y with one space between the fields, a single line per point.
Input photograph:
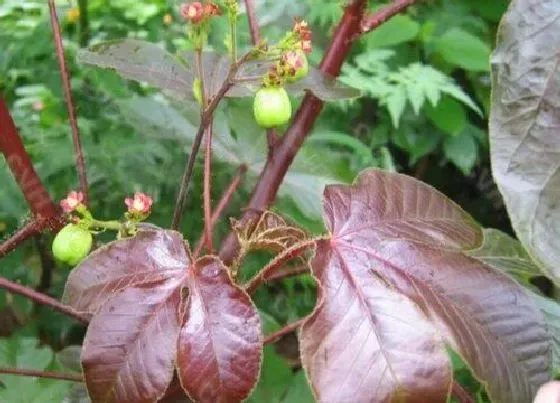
x=449 y=116
x=220 y=342
x=142 y=61
x=397 y=246
x=465 y=50
x=525 y=146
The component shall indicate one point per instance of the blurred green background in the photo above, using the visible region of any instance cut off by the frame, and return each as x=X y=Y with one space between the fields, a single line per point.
x=426 y=84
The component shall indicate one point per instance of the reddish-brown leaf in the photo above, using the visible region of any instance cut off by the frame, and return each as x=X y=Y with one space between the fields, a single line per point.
x=148 y=257
x=393 y=231
x=365 y=342
x=131 y=345
x=220 y=343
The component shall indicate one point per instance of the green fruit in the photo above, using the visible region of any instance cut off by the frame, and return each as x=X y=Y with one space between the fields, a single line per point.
x=272 y=107
x=197 y=90
x=72 y=244
x=298 y=60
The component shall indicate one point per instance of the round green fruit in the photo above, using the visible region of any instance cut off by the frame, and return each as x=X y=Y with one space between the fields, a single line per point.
x=272 y=107
x=72 y=244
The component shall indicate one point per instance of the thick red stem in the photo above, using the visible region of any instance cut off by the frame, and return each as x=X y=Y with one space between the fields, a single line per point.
x=283 y=153
x=45 y=211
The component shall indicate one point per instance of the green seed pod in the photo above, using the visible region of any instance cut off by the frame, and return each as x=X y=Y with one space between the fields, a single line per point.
x=272 y=107
x=72 y=244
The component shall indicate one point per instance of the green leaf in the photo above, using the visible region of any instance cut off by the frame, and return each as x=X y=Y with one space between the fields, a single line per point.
x=524 y=138
x=396 y=103
x=299 y=390
x=461 y=150
x=24 y=353
x=142 y=61
x=398 y=29
x=416 y=143
x=276 y=376
x=465 y=50
x=449 y=116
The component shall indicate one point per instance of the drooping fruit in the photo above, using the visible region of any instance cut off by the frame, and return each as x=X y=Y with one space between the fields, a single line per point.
x=272 y=107
x=296 y=60
x=72 y=244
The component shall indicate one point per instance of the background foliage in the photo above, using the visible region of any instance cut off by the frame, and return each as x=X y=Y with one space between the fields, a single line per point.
x=426 y=83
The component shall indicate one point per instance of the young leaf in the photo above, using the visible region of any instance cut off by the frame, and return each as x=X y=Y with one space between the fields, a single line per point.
x=524 y=122
x=142 y=61
x=131 y=344
x=391 y=231
x=220 y=342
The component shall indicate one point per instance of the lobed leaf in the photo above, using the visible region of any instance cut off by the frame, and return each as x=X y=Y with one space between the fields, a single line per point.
x=395 y=259
x=525 y=146
x=131 y=344
x=324 y=87
x=149 y=257
x=366 y=342
x=220 y=343
x=142 y=61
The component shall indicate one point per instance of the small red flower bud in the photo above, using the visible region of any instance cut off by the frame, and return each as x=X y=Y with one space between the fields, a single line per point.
x=306 y=46
x=193 y=12
x=211 y=9
x=140 y=204
x=72 y=201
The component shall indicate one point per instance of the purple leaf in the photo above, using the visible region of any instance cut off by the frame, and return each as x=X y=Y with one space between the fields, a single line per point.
x=149 y=257
x=130 y=347
x=394 y=260
x=220 y=343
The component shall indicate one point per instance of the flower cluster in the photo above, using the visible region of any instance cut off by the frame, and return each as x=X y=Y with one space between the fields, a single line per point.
x=301 y=29
x=139 y=205
x=196 y=12
x=72 y=201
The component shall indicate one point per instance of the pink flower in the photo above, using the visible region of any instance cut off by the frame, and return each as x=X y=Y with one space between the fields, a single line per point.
x=72 y=201
x=193 y=12
x=140 y=204
x=293 y=59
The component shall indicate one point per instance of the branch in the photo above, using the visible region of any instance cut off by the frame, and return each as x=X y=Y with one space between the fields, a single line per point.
x=374 y=20
x=29 y=230
x=285 y=150
x=42 y=374
x=65 y=76
x=460 y=393
x=274 y=337
x=253 y=24
x=42 y=299
x=276 y=263
x=222 y=204
x=207 y=191
x=205 y=121
x=303 y=269
x=45 y=211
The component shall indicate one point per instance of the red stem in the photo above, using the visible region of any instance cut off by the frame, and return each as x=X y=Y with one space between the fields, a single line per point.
x=42 y=374
x=281 y=157
x=276 y=263
x=207 y=191
x=274 y=337
x=253 y=24
x=45 y=211
x=374 y=20
x=222 y=204
x=41 y=299
x=460 y=393
x=29 y=230
x=288 y=273
x=65 y=76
